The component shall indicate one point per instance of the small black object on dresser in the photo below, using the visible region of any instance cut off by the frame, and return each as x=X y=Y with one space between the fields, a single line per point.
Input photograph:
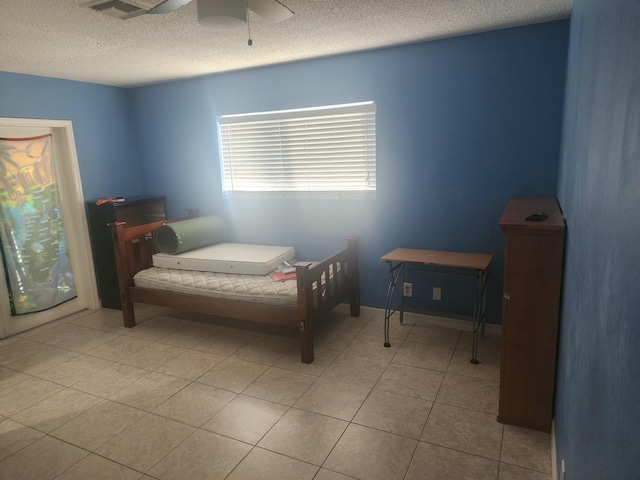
x=133 y=210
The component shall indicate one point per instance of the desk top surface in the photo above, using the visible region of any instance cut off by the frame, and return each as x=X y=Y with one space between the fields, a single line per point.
x=477 y=261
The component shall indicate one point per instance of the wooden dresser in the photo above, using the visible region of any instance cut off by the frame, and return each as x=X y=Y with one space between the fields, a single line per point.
x=534 y=252
x=134 y=211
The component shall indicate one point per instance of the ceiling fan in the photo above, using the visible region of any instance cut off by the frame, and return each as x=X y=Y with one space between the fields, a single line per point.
x=223 y=14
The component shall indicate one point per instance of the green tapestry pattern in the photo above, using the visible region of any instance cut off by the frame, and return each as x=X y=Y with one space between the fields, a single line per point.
x=34 y=247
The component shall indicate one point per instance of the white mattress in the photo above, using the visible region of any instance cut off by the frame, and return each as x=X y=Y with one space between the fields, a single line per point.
x=260 y=289
x=236 y=258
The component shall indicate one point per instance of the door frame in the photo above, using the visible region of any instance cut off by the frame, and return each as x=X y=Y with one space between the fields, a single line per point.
x=75 y=221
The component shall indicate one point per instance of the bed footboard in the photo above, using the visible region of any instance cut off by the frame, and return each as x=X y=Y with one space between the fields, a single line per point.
x=322 y=286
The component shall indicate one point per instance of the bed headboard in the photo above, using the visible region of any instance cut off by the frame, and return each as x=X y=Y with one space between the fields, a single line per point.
x=133 y=246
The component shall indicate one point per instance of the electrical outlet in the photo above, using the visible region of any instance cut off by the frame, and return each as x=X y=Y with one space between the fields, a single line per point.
x=562 y=470
x=437 y=293
x=407 y=290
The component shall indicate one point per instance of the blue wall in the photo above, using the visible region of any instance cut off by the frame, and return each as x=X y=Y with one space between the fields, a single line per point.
x=102 y=125
x=597 y=417
x=463 y=124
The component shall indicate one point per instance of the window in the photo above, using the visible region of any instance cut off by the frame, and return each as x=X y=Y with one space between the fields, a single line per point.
x=323 y=149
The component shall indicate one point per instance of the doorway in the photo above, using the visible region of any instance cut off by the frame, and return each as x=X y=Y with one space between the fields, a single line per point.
x=61 y=229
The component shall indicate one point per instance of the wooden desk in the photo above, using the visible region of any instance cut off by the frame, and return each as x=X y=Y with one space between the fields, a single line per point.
x=398 y=260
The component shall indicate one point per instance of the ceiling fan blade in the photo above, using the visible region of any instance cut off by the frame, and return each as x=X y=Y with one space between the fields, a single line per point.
x=168 y=6
x=272 y=10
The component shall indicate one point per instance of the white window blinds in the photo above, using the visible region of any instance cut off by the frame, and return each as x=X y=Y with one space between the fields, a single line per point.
x=313 y=149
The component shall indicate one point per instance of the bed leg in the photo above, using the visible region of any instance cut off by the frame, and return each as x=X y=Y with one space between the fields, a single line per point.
x=354 y=276
x=355 y=305
x=128 y=314
x=306 y=341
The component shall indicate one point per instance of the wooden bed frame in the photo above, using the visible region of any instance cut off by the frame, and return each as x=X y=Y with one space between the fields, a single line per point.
x=319 y=291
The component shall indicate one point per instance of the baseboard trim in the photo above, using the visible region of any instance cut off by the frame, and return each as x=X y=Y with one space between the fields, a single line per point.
x=441 y=321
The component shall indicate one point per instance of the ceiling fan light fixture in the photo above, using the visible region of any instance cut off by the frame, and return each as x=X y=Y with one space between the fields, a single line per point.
x=222 y=14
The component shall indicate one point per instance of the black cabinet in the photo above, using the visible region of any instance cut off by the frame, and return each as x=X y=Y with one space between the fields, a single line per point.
x=134 y=211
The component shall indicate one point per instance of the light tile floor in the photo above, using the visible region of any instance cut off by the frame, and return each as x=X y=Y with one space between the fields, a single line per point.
x=184 y=397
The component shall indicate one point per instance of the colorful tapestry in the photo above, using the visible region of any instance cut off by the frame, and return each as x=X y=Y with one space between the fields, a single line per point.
x=34 y=247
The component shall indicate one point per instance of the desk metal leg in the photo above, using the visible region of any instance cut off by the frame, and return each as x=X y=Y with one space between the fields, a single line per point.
x=483 y=308
x=479 y=314
x=395 y=273
x=401 y=282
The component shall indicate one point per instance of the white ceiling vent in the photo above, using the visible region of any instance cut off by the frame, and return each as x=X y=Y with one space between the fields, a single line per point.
x=117 y=8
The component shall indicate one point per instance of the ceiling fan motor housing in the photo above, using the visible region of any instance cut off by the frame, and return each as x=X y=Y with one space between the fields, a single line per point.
x=222 y=14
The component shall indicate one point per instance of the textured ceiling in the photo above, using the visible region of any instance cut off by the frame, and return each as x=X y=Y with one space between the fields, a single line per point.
x=64 y=39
